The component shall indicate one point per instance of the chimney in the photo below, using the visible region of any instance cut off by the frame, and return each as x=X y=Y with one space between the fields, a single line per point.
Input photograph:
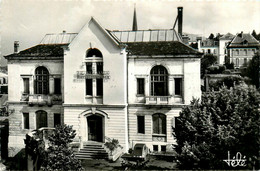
x=16 y=46
x=180 y=13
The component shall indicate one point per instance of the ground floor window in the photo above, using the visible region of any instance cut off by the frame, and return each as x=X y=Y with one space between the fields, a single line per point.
x=57 y=119
x=159 y=124
x=41 y=119
x=26 y=120
x=140 y=124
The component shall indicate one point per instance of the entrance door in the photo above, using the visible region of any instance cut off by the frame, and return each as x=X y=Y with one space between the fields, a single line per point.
x=95 y=128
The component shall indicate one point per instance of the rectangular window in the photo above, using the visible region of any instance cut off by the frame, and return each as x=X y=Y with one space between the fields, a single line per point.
x=26 y=86
x=57 y=119
x=140 y=86
x=26 y=120
x=57 y=86
x=163 y=148
x=99 y=67
x=89 y=67
x=155 y=147
x=178 y=86
x=89 y=87
x=99 y=87
x=208 y=50
x=140 y=124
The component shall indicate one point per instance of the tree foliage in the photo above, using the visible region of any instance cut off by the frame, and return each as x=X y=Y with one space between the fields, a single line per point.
x=229 y=82
x=58 y=155
x=224 y=120
x=252 y=70
x=211 y=36
x=206 y=61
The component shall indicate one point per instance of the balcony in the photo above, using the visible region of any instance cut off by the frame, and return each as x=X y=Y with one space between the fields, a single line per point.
x=42 y=99
x=163 y=100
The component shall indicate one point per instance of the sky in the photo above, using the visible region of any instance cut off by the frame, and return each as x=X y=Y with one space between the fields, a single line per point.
x=27 y=21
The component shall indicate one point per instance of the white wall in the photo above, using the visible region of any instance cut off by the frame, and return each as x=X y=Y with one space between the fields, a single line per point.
x=92 y=36
x=16 y=69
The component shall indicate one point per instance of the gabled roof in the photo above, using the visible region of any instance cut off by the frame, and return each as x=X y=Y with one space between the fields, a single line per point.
x=160 y=48
x=244 y=40
x=227 y=36
x=41 y=51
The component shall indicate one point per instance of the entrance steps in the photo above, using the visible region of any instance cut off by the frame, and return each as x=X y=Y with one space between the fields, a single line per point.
x=92 y=150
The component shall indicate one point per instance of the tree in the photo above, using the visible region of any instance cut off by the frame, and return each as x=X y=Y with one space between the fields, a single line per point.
x=58 y=155
x=206 y=61
x=254 y=34
x=253 y=69
x=211 y=36
x=224 y=120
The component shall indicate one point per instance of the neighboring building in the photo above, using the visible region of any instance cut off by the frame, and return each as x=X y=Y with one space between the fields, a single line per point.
x=3 y=83
x=242 y=49
x=223 y=42
x=209 y=46
x=127 y=85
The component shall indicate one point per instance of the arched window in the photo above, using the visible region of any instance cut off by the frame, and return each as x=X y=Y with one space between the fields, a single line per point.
x=159 y=123
x=159 y=81
x=41 y=119
x=94 y=52
x=41 y=80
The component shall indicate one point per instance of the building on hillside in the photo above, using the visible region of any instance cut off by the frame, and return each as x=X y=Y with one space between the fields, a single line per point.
x=3 y=83
x=242 y=48
x=209 y=46
x=127 y=85
x=223 y=42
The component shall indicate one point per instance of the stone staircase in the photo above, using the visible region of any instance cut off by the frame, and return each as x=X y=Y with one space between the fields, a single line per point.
x=92 y=150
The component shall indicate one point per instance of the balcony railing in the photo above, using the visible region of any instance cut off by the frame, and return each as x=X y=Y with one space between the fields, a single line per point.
x=42 y=99
x=158 y=100
x=163 y=100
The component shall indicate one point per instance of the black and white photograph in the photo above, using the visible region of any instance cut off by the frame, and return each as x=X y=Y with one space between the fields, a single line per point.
x=129 y=85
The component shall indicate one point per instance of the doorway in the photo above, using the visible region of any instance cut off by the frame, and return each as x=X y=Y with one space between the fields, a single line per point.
x=95 y=128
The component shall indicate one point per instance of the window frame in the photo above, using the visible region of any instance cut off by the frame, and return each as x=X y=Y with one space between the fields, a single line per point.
x=160 y=126
x=140 y=128
x=156 y=77
x=138 y=86
x=38 y=124
x=26 y=120
x=41 y=79
x=54 y=119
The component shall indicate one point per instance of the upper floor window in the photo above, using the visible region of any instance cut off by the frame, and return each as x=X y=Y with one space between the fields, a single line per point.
x=159 y=81
x=26 y=86
x=94 y=67
x=41 y=80
x=94 y=52
x=140 y=86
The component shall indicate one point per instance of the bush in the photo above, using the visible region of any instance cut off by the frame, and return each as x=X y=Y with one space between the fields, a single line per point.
x=224 y=120
x=112 y=144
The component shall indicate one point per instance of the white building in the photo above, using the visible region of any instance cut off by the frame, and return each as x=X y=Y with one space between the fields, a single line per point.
x=127 y=85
